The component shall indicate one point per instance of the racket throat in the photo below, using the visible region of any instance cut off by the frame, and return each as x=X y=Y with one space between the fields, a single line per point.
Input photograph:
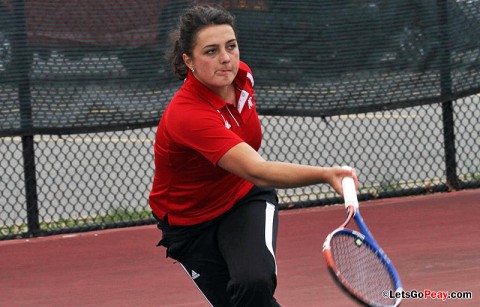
x=350 y=213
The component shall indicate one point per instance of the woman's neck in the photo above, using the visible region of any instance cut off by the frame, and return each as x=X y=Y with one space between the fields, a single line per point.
x=228 y=94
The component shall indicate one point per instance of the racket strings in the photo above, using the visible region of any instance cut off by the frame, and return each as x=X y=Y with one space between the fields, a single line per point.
x=361 y=269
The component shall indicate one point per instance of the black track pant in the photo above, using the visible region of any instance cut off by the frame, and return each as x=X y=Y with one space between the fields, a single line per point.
x=232 y=262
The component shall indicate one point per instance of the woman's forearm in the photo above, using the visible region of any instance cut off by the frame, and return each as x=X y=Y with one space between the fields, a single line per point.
x=288 y=175
x=245 y=162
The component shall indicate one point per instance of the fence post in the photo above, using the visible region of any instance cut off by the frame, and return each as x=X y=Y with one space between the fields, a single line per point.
x=449 y=139
x=22 y=60
x=30 y=185
x=446 y=91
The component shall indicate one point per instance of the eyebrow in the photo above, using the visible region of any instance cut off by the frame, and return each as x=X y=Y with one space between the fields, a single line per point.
x=214 y=45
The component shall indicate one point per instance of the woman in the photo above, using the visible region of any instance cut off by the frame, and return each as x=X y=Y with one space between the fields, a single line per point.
x=212 y=193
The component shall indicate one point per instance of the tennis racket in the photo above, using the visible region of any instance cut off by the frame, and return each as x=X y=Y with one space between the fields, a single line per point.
x=356 y=261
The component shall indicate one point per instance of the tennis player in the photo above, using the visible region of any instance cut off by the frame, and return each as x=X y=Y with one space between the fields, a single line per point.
x=213 y=195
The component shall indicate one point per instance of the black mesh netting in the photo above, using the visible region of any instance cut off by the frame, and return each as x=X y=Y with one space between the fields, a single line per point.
x=88 y=65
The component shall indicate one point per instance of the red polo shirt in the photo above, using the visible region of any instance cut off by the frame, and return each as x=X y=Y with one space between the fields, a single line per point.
x=195 y=131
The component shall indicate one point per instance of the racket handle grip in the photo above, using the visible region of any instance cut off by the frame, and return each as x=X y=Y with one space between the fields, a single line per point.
x=349 y=191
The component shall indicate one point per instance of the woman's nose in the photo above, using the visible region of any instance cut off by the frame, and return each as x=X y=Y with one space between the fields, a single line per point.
x=224 y=56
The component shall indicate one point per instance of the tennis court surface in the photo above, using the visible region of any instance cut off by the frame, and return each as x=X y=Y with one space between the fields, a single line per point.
x=433 y=240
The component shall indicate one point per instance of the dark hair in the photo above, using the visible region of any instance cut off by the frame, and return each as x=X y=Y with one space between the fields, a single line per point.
x=183 y=38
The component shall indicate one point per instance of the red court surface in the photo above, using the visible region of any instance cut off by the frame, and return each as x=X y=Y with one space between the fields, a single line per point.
x=432 y=240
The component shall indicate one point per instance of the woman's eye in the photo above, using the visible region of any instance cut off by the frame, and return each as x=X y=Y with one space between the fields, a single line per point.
x=232 y=46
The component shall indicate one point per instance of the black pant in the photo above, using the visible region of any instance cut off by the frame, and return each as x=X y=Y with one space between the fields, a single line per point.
x=232 y=259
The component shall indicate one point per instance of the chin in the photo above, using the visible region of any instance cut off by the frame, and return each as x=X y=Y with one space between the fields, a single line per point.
x=224 y=81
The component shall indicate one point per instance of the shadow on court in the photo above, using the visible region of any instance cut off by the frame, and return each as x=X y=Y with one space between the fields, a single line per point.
x=433 y=241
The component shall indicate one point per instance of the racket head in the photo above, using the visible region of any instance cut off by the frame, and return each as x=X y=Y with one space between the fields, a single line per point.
x=361 y=268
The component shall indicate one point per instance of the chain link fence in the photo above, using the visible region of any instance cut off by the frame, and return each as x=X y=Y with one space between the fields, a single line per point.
x=389 y=87
x=102 y=180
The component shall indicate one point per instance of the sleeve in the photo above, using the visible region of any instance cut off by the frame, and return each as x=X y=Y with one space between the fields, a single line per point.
x=203 y=131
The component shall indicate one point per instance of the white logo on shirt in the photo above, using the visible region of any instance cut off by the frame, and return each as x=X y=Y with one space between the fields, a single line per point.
x=250 y=103
x=227 y=124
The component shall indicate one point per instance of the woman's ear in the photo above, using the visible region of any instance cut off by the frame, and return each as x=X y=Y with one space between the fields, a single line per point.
x=187 y=60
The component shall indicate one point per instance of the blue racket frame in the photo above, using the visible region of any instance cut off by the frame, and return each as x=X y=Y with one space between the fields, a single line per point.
x=366 y=237
x=378 y=250
x=364 y=234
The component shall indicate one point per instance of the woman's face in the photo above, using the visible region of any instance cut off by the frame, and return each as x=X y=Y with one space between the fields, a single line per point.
x=215 y=57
